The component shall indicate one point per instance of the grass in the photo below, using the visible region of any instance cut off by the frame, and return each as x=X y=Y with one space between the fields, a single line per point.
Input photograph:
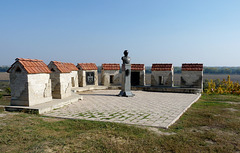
x=4 y=96
x=221 y=98
x=210 y=125
x=4 y=85
x=4 y=99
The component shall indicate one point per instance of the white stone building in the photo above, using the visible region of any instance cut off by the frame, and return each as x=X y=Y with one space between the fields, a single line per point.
x=137 y=74
x=73 y=74
x=29 y=82
x=110 y=74
x=192 y=75
x=162 y=75
x=87 y=74
x=61 y=80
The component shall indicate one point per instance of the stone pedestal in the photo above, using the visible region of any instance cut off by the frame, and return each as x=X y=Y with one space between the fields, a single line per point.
x=126 y=81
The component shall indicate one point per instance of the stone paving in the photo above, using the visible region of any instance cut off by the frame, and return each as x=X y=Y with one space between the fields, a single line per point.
x=145 y=108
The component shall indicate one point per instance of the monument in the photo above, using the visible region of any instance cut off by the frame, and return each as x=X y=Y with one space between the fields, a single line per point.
x=126 y=76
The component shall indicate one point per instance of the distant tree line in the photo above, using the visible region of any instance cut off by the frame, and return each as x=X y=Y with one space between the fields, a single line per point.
x=177 y=70
x=207 y=70
x=221 y=70
x=4 y=68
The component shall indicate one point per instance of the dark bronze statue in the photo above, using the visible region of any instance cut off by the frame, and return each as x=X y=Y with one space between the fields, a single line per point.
x=126 y=76
x=125 y=58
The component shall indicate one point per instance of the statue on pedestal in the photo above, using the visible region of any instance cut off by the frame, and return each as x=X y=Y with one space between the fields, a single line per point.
x=126 y=76
x=126 y=59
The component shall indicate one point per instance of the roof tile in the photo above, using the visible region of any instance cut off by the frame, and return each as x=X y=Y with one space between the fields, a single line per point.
x=61 y=67
x=162 y=67
x=87 y=66
x=32 y=66
x=71 y=66
x=110 y=66
x=139 y=67
x=192 y=67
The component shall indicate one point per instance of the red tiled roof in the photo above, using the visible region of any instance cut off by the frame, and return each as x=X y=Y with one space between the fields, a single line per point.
x=87 y=66
x=139 y=67
x=110 y=66
x=162 y=67
x=61 y=67
x=192 y=67
x=71 y=66
x=32 y=66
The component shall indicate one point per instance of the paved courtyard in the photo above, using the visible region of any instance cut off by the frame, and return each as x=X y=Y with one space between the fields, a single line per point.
x=145 y=108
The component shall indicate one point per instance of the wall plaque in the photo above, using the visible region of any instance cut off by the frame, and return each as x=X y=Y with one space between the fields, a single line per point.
x=90 y=78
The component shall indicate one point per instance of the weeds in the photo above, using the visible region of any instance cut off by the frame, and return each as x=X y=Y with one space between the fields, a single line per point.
x=222 y=87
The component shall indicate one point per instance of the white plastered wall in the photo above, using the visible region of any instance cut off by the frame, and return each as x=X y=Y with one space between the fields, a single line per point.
x=74 y=78
x=105 y=77
x=167 y=78
x=192 y=79
x=65 y=85
x=39 y=88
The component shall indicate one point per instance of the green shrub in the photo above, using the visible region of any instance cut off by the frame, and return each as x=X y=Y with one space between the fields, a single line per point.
x=8 y=90
x=221 y=87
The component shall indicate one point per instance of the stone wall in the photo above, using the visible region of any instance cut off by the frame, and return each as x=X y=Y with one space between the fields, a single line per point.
x=19 y=89
x=55 y=78
x=167 y=78
x=192 y=79
x=65 y=81
x=61 y=85
x=39 y=88
x=105 y=77
x=30 y=89
x=82 y=77
x=74 y=78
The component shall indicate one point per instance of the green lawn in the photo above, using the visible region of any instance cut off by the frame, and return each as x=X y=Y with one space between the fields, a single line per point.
x=211 y=125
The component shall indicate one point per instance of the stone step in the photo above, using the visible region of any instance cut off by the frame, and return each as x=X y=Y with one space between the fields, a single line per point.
x=45 y=107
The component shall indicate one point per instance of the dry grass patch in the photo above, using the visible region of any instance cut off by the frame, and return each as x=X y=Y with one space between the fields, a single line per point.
x=4 y=76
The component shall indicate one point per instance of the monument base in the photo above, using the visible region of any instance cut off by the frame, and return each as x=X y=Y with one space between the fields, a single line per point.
x=126 y=94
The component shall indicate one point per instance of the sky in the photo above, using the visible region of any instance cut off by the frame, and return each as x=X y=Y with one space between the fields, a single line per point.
x=98 y=31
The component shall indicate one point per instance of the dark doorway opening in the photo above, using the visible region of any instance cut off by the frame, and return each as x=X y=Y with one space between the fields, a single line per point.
x=111 y=78
x=135 y=78
x=73 y=82
x=161 y=81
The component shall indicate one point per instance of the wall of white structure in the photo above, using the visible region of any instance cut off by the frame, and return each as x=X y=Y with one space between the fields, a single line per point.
x=105 y=77
x=167 y=78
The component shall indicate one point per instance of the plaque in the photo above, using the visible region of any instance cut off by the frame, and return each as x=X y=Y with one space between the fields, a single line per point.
x=90 y=78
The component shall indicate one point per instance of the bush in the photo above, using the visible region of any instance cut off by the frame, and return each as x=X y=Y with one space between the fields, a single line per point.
x=221 y=87
x=8 y=90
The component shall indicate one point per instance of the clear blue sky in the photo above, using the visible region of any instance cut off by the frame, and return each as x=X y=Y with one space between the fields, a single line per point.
x=154 y=31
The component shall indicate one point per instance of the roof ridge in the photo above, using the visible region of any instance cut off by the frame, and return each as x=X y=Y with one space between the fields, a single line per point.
x=28 y=59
